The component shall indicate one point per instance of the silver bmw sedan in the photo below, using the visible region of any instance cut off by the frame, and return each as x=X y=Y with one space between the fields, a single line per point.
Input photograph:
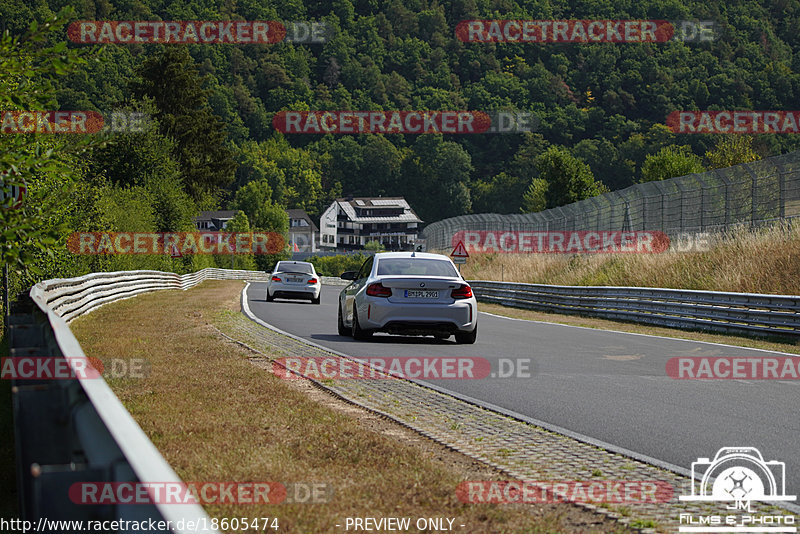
x=410 y=293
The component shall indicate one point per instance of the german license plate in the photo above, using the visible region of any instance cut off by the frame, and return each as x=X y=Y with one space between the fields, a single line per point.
x=294 y=279
x=421 y=294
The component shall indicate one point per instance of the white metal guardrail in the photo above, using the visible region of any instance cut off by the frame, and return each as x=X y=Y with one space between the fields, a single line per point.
x=740 y=313
x=70 y=431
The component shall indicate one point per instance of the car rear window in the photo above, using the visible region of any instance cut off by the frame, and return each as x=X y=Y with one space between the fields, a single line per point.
x=286 y=267
x=415 y=267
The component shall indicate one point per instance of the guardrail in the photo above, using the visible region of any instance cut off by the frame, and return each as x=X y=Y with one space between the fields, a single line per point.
x=69 y=431
x=739 y=313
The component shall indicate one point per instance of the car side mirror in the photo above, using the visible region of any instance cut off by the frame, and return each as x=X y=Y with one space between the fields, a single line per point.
x=349 y=275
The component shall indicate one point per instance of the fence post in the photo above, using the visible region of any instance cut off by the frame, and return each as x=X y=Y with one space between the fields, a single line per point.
x=627 y=226
x=753 y=194
x=702 y=201
x=721 y=176
x=781 y=192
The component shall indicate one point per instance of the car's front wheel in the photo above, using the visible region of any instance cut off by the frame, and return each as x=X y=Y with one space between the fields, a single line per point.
x=358 y=332
x=467 y=338
x=343 y=330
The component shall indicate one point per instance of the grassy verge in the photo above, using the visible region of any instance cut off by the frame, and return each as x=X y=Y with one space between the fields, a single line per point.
x=217 y=417
x=760 y=261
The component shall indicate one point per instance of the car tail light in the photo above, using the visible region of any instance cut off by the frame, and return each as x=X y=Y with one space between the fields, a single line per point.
x=463 y=292
x=377 y=290
x=312 y=281
x=276 y=279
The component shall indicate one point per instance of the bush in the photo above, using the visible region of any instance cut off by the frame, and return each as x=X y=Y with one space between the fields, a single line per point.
x=336 y=265
x=374 y=246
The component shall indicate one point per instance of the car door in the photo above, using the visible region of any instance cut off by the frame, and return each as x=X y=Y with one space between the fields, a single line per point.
x=352 y=290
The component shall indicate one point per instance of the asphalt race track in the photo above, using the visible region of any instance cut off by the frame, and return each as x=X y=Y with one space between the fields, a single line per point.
x=610 y=386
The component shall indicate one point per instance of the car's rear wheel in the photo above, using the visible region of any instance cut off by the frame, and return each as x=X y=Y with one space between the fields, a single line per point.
x=316 y=300
x=358 y=332
x=343 y=331
x=467 y=338
x=270 y=298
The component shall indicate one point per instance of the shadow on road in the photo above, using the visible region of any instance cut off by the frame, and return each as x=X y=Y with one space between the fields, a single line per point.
x=386 y=339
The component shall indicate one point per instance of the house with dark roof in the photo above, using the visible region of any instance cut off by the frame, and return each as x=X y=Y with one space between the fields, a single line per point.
x=303 y=233
x=350 y=223
x=214 y=221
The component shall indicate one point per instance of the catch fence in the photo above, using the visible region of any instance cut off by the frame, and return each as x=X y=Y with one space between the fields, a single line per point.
x=748 y=194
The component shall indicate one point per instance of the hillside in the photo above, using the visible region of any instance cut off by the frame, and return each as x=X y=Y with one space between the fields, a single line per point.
x=606 y=104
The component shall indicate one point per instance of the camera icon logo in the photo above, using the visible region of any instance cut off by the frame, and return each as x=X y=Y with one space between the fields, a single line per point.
x=738 y=474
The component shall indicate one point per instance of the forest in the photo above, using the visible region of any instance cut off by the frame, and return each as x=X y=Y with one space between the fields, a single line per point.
x=601 y=111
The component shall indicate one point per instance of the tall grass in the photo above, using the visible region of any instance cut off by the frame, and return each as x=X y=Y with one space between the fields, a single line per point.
x=765 y=260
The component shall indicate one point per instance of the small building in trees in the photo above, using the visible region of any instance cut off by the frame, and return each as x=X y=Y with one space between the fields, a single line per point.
x=214 y=221
x=303 y=233
x=350 y=223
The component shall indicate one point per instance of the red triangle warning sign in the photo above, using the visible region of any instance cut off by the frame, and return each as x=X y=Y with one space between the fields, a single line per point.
x=460 y=251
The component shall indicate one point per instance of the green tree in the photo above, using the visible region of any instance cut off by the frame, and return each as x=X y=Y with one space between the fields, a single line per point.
x=501 y=194
x=437 y=173
x=731 y=150
x=568 y=178
x=171 y=80
x=535 y=197
x=255 y=200
x=670 y=162
x=46 y=166
x=239 y=223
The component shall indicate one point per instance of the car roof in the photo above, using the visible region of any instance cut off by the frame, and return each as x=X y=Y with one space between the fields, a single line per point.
x=420 y=255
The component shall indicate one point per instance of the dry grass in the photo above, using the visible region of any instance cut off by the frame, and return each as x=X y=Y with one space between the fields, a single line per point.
x=216 y=417
x=761 y=261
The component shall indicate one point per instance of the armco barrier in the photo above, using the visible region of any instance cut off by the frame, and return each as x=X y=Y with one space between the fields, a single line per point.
x=739 y=313
x=69 y=431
